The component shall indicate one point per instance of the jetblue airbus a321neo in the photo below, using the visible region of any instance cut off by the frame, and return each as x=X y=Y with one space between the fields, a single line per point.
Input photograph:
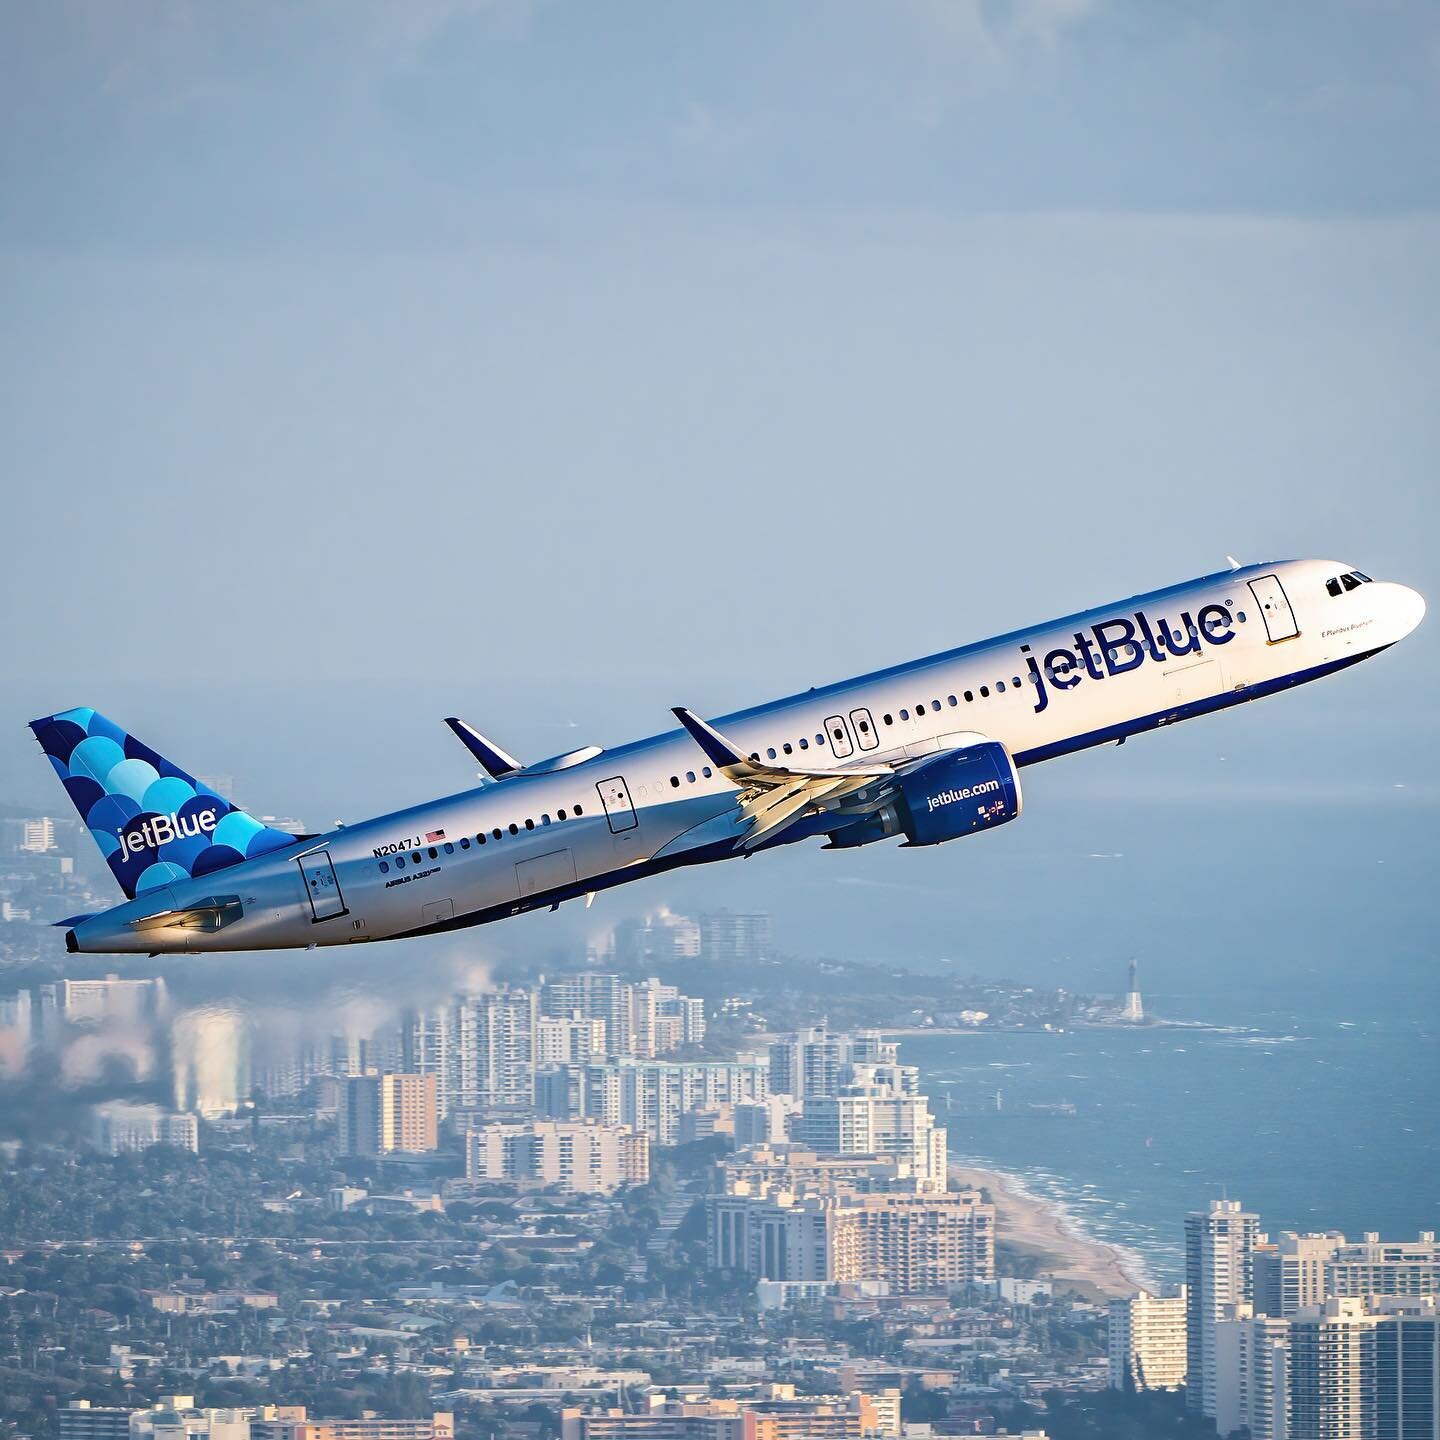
x=928 y=751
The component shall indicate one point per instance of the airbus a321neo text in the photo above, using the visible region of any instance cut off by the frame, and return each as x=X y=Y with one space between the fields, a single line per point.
x=928 y=751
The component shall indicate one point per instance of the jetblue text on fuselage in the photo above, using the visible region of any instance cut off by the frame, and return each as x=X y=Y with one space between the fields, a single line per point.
x=1123 y=644
x=156 y=830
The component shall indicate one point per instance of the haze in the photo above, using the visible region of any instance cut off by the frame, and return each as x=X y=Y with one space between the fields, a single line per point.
x=553 y=364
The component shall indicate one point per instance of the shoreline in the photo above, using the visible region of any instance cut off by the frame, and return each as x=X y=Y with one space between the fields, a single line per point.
x=1040 y=1228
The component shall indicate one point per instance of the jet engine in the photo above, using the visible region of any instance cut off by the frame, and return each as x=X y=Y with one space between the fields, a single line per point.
x=945 y=797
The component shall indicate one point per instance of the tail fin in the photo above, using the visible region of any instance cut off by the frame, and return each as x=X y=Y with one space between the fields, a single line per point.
x=153 y=823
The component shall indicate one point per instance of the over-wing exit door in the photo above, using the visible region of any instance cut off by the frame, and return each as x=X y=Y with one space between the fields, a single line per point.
x=615 y=797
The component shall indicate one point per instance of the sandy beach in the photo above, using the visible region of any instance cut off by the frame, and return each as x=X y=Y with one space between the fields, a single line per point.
x=1072 y=1261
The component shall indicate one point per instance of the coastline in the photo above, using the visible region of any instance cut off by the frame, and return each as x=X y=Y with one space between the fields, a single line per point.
x=1038 y=1228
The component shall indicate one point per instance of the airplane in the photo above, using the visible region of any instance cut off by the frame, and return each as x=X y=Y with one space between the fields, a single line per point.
x=925 y=752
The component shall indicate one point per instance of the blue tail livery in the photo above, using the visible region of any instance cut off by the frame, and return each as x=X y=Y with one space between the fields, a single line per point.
x=153 y=823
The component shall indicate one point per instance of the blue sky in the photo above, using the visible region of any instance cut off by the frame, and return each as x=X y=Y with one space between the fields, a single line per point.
x=554 y=363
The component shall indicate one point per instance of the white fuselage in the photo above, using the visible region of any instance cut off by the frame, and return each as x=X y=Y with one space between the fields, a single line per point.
x=549 y=834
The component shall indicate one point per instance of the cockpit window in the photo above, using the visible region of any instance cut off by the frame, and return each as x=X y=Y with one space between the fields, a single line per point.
x=1349 y=582
x=1362 y=577
x=1333 y=585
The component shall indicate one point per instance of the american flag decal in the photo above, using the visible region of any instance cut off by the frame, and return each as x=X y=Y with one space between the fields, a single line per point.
x=431 y=836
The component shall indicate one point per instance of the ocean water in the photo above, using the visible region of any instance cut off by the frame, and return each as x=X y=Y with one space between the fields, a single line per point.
x=1316 y=1121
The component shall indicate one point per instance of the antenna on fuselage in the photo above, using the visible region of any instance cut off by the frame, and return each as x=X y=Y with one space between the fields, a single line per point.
x=1234 y=563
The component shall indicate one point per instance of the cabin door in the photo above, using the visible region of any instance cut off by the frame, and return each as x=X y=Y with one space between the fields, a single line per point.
x=1275 y=607
x=326 y=901
x=619 y=811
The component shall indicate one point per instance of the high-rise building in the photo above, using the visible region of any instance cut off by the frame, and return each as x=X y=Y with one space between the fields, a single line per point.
x=917 y=1244
x=815 y=1061
x=504 y=1049
x=1289 y=1273
x=1147 y=1342
x=1385 y=1267
x=730 y=939
x=430 y=1044
x=38 y=835
x=568 y=1040
x=1252 y=1374
x=1218 y=1273
x=1342 y=1370
x=1332 y=1372
x=383 y=1113
x=649 y=1095
x=877 y=1113
x=1407 y=1369
x=580 y=1156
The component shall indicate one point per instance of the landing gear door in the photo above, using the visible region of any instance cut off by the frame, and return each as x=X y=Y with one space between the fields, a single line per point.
x=1275 y=607
x=322 y=886
x=619 y=811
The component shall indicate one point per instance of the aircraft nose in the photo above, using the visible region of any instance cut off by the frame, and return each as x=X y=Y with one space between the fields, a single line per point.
x=1407 y=609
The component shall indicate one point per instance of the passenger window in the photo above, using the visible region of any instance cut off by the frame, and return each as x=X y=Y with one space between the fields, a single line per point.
x=415 y=858
x=904 y=714
x=1015 y=679
x=399 y=862
x=969 y=697
x=675 y=781
x=1349 y=582
x=953 y=702
x=578 y=810
x=788 y=748
x=707 y=772
x=865 y=727
x=1000 y=684
x=561 y=814
x=888 y=719
x=514 y=828
x=384 y=867
x=771 y=752
x=480 y=838
x=529 y=824
x=449 y=848
x=433 y=853
x=544 y=819
x=1333 y=585
x=984 y=692
x=464 y=842
x=496 y=833
x=804 y=743
x=690 y=776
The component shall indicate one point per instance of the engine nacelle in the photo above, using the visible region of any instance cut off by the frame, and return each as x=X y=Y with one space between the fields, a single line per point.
x=958 y=793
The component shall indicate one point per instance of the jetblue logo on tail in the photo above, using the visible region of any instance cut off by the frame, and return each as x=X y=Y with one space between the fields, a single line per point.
x=156 y=830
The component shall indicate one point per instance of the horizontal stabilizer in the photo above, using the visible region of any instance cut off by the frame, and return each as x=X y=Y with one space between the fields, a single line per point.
x=214 y=912
x=496 y=762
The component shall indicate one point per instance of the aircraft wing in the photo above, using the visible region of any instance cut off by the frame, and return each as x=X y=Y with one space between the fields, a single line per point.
x=772 y=796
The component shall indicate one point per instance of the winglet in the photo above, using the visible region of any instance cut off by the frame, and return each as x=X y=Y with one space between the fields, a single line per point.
x=492 y=757
x=716 y=747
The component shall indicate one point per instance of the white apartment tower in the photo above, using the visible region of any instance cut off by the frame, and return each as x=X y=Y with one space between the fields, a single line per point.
x=1218 y=1274
x=1147 y=1342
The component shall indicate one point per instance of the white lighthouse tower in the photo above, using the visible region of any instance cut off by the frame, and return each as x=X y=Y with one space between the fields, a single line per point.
x=1133 y=1011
